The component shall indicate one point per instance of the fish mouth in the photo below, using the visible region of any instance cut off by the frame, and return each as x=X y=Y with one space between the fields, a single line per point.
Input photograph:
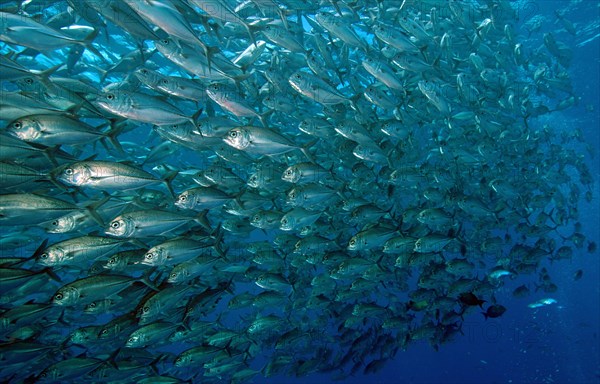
x=231 y=142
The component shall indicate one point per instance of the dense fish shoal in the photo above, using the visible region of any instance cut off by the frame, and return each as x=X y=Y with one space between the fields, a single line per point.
x=210 y=191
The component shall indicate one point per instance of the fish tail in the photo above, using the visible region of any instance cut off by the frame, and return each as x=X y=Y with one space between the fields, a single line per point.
x=196 y=115
x=250 y=34
x=92 y=210
x=168 y=179
x=208 y=52
x=39 y=250
x=218 y=235
x=263 y=117
x=111 y=136
x=305 y=151
x=87 y=43
x=145 y=279
x=203 y=220
x=49 y=153
x=283 y=18
x=45 y=75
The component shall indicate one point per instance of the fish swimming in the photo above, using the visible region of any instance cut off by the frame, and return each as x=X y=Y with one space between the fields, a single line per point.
x=199 y=191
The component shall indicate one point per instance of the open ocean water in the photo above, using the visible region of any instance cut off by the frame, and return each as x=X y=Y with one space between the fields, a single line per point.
x=556 y=343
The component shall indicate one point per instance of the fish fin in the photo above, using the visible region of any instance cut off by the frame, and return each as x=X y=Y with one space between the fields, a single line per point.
x=167 y=181
x=91 y=209
x=111 y=136
x=111 y=359
x=196 y=116
x=87 y=43
x=210 y=111
x=262 y=117
x=281 y=13
x=203 y=221
x=239 y=78
x=208 y=52
x=145 y=279
x=39 y=250
x=305 y=151
x=139 y=243
x=218 y=234
x=50 y=153
x=229 y=288
x=249 y=30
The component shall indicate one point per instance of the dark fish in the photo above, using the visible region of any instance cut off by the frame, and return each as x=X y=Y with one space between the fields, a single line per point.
x=494 y=311
x=521 y=291
x=469 y=298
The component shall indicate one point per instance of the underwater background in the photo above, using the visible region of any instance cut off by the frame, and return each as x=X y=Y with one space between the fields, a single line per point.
x=555 y=342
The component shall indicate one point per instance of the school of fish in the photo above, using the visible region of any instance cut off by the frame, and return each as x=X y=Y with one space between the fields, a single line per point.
x=212 y=191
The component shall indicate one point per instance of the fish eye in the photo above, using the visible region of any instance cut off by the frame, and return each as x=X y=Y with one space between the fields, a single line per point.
x=292 y=194
x=29 y=80
x=298 y=76
x=92 y=305
x=110 y=96
x=233 y=134
x=284 y=221
x=146 y=309
x=288 y=172
x=112 y=261
x=143 y=71
x=58 y=296
x=44 y=256
x=353 y=242
x=182 y=198
x=165 y=81
x=173 y=275
x=55 y=223
x=165 y=41
x=104 y=332
x=115 y=224
x=17 y=125
x=68 y=171
x=149 y=256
